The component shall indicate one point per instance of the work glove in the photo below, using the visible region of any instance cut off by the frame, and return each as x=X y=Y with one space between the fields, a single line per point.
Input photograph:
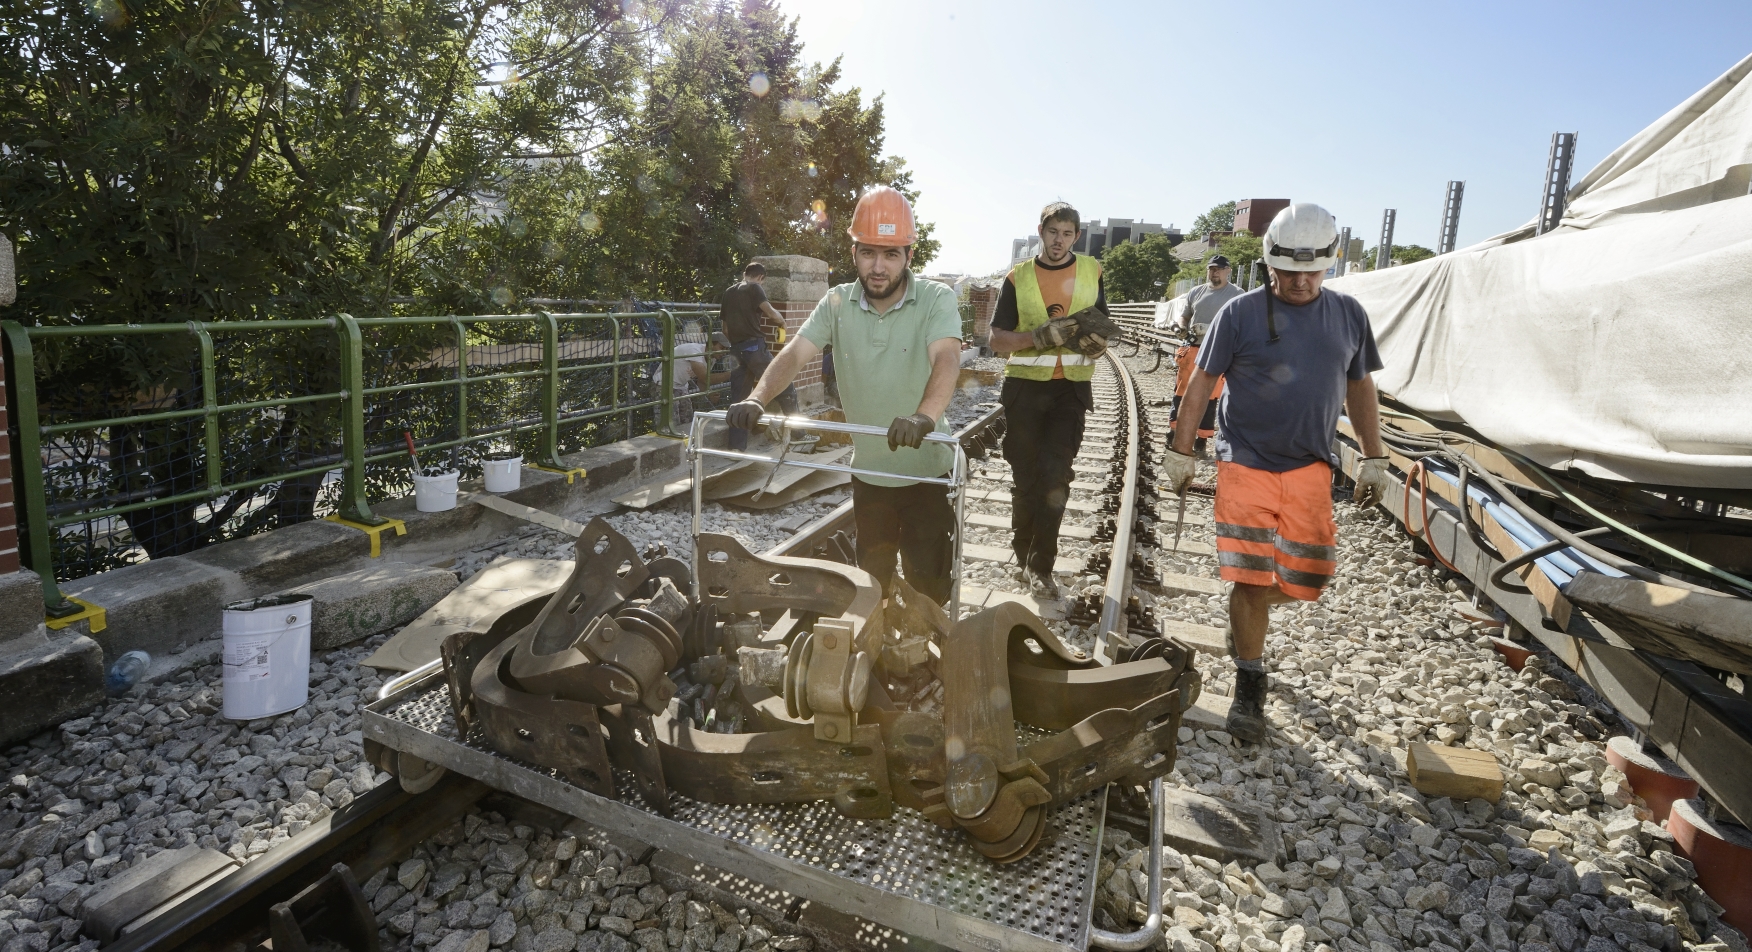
x=1090 y=345
x=1177 y=472
x=1092 y=320
x=909 y=431
x=744 y=415
x=1054 y=333
x=1372 y=482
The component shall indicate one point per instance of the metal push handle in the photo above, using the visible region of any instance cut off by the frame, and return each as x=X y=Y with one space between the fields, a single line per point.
x=1152 y=927
x=956 y=481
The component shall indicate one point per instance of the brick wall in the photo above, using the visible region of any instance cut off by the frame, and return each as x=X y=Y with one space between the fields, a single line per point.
x=984 y=299
x=808 y=382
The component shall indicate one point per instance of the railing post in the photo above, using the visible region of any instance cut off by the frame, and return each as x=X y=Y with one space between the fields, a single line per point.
x=666 y=411
x=209 y=408
x=28 y=461
x=550 y=393
x=354 y=507
x=461 y=379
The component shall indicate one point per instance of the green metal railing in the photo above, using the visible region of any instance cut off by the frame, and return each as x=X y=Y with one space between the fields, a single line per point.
x=158 y=439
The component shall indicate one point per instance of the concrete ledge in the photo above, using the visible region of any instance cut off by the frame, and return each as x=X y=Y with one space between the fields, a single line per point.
x=157 y=606
x=360 y=604
x=285 y=556
x=21 y=604
x=44 y=681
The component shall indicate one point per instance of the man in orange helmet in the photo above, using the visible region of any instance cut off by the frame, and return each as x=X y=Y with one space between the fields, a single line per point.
x=896 y=352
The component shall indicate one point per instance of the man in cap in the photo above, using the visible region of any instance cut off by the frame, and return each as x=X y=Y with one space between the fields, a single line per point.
x=1294 y=357
x=746 y=314
x=896 y=344
x=1202 y=305
x=1051 y=320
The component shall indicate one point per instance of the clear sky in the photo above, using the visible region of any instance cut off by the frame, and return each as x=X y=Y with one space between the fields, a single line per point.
x=1159 y=110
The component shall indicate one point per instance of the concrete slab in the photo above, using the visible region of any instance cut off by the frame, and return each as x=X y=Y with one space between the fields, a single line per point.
x=44 y=681
x=157 y=606
x=490 y=594
x=1175 y=584
x=287 y=556
x=1201 y=638
x=1206 y=826
x=21 y=604
x=990 y=521
x=362 y=603
x=147 y=884
x=1210 y=712
x=974 y=598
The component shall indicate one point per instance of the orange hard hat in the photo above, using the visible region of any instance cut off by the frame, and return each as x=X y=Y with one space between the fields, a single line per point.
x=884 y=217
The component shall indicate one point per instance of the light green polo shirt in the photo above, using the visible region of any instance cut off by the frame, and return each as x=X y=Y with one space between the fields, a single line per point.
x=882 y=365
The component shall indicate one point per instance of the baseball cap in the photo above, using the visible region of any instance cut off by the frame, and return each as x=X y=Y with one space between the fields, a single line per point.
x=1217 y=261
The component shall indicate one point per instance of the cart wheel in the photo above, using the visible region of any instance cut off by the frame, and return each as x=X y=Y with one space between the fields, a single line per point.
x=416 y=775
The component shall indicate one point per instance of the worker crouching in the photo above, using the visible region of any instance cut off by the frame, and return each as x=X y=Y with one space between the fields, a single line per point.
x=1294 y=357
x=1052 y=320
x=896 y=344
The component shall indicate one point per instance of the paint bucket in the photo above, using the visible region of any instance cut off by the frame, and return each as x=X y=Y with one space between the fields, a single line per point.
x=435 y=493
x=503 y=474
x=267 y=656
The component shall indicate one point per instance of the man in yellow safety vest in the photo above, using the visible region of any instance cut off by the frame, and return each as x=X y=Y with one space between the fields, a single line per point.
x=1051 y=320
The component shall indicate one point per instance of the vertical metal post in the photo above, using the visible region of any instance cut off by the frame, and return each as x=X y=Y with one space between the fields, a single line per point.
x=27 y=460
x=615 y=373
x=696 y=436
x=1451 y=218
x=666 y=408
x=1384 y=254
x=354 y=506
x=550 y=393
x=461 y=379
x=1344 y=255
x=1557 y=173
x=209 y=408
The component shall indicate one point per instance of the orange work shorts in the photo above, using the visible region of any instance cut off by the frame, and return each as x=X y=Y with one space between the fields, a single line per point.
x=1185 y=362
x=1276 y=529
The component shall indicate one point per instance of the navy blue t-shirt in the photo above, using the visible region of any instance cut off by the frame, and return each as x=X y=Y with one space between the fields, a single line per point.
x=1281 y=402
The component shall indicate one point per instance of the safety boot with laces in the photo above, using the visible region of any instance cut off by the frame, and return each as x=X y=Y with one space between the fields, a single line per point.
x=1247 y=714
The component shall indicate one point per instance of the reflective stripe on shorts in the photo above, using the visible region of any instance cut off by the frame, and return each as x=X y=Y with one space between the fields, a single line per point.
x=1276 y=529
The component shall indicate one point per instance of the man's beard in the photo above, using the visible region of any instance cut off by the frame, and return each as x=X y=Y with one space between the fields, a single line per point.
x=872 y=293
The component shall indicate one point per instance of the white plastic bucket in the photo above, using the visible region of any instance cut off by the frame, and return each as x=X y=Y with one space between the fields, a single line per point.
x=435 y=493
x=267 y=656
x=503 y=475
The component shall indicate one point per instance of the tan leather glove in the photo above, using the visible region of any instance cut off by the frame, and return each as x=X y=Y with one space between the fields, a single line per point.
x=1054 y=333
x=1092 y=345
x=1373 y=482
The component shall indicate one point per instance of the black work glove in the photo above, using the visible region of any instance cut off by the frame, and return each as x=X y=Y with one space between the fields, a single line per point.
x=909 y=431
x=744 y=415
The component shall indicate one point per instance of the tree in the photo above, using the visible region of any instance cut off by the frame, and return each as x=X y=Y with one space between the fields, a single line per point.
x=1143 y=271
x=1217 y=218
x=1404 y=254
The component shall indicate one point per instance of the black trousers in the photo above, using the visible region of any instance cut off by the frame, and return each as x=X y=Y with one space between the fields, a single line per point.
x=917 y=522
x=752 y=358
x=1043 y=427
x=1207 y=422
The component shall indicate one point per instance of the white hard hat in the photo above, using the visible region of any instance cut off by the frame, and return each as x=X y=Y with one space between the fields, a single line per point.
x=1303 y=237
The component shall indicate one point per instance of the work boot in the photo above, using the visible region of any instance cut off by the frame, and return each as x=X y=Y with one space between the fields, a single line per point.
x=1198 y=447
x=1042 y=585
x=1247 y=714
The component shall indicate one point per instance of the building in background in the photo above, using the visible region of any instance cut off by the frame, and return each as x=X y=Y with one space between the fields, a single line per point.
x=1097 y=237
x=1255 y=214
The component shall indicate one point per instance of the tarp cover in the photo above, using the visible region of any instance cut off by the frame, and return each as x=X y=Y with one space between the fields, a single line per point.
x=1620 y=343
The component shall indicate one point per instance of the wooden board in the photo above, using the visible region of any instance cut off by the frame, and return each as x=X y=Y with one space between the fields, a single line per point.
x=761 y=475
x=817 y=481
x=1457 y=772
x=658 y=490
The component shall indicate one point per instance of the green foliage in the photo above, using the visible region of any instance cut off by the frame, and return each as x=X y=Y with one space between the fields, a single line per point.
x=1405 y=254
x=1217 y=218
x=1139 y=272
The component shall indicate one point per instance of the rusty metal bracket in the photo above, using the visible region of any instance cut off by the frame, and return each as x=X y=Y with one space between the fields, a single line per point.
x=333 y=908
x=607 y=573
x=783 y=766
x=563 y=735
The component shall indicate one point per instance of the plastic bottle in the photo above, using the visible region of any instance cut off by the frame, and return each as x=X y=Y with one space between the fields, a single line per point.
x=126 y=672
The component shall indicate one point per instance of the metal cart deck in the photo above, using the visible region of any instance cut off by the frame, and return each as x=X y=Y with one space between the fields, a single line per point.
x=905 y=872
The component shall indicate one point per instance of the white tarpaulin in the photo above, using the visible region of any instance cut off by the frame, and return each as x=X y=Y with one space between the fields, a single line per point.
x=1619 y=344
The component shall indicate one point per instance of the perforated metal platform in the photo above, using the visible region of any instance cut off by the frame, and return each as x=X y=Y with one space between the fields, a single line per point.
x=904 y=872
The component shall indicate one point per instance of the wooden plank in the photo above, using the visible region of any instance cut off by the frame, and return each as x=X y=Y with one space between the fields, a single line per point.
x=1714 y=630
x=546 y=520
x=1455 y=772
x=658 y=490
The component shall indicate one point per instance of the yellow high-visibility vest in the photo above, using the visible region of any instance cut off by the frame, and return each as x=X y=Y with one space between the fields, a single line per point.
x=1034 y=364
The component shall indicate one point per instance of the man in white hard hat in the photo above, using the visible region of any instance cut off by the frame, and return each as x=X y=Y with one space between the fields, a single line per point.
x=1294 y=357
x=896 y=344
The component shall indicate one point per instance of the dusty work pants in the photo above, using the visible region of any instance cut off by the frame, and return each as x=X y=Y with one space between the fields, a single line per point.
x=917 y=522
x=752 y=358
x=1185 y=361
x=1043 y=428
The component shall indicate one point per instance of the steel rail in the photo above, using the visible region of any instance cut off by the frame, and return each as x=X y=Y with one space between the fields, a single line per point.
x=1110 y=630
